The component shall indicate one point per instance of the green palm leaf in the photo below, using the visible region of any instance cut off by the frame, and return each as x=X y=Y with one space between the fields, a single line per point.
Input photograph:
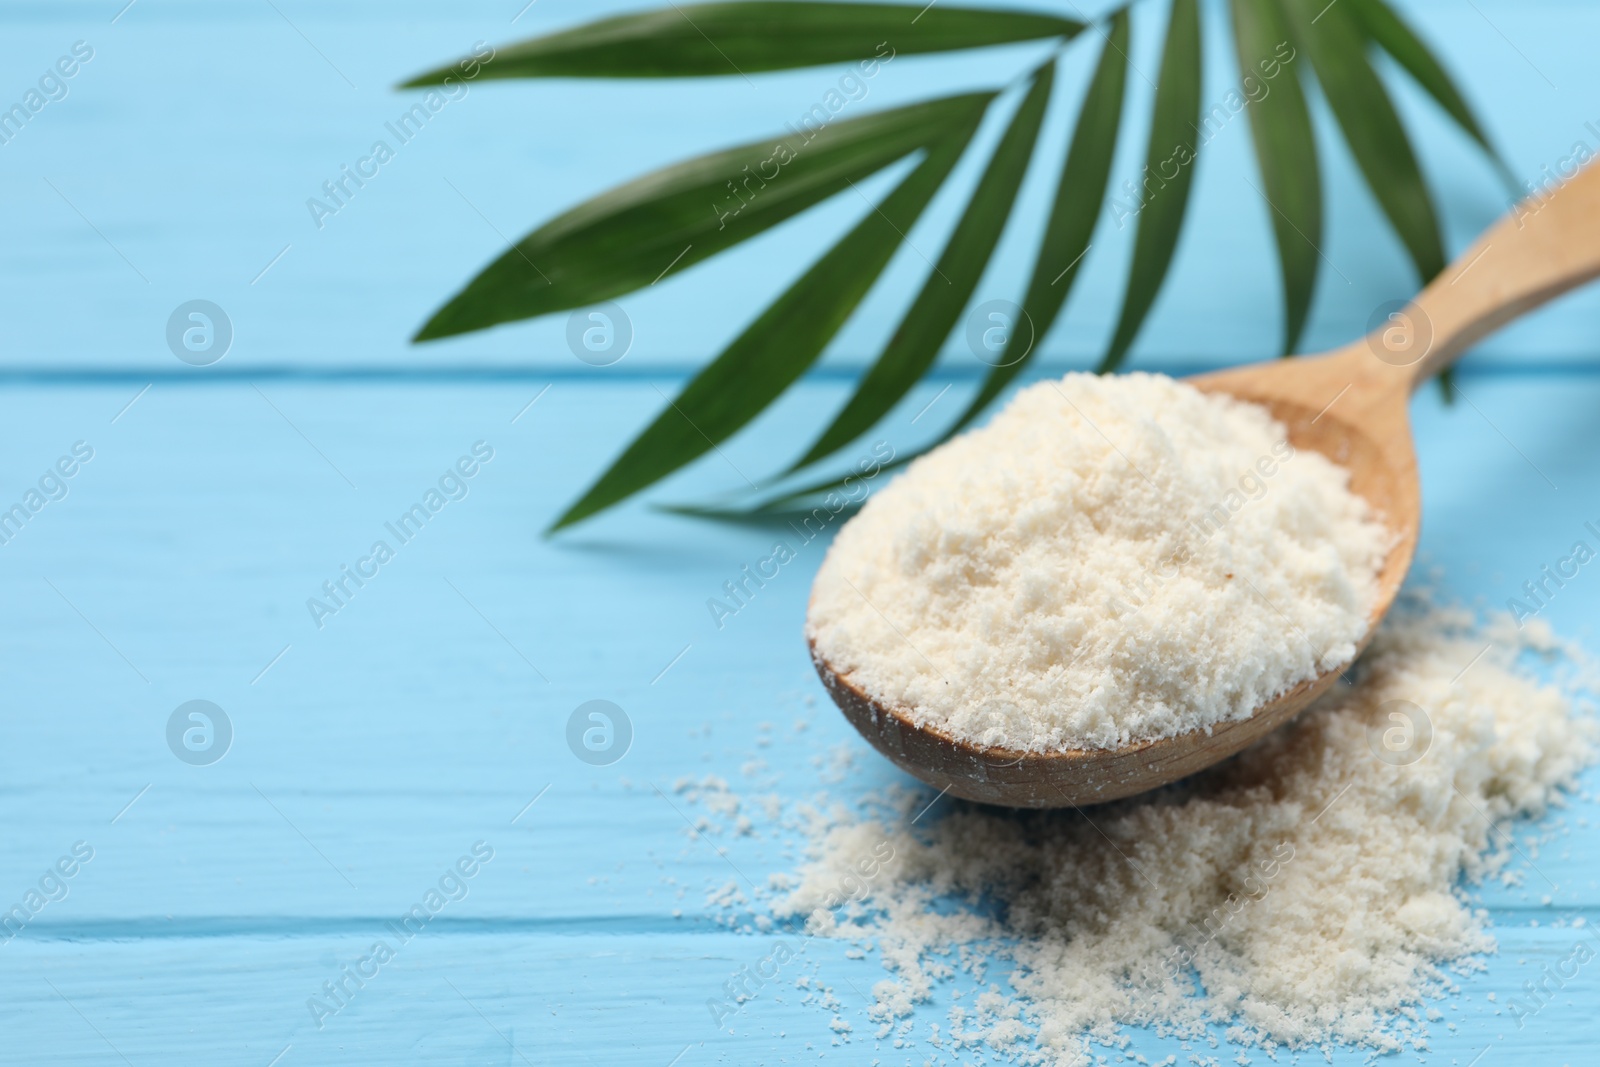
x=1286 y=155
x=626 y=238
x=916 y=342
x=695 y=40
x=1079 y=194
x=1172 y=149
x=1380 y=23
x=778 y=347
x=790 y=501
x=1371 y=127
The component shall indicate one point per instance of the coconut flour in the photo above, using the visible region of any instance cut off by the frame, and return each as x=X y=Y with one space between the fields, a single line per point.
x=1306 y=893
x=1111 y=559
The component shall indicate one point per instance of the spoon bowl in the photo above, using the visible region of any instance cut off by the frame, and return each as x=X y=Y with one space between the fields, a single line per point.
x=1351 y=406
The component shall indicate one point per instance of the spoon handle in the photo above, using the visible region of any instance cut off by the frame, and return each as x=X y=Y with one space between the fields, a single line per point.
x=1548 y=244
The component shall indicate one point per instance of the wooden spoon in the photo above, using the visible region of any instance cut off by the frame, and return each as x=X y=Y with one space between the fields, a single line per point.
x=1350 y=405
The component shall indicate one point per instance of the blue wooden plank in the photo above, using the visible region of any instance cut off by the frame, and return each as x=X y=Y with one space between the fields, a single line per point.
x=428 y=713
x=184 y=155
x=378 y=749
x=612 y=998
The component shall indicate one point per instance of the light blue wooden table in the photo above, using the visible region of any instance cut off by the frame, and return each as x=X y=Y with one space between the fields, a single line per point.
x=373 y=752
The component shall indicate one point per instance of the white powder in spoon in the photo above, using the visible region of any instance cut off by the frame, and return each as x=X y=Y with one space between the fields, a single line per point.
x=1306 y=893
x=1111 y=559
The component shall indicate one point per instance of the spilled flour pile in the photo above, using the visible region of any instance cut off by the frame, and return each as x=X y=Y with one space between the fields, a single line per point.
x=1306 y=893
x=1110 y=559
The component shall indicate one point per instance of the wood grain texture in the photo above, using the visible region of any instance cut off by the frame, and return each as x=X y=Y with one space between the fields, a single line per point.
x=415 y=722
x=195 y=137
x=382 y=746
